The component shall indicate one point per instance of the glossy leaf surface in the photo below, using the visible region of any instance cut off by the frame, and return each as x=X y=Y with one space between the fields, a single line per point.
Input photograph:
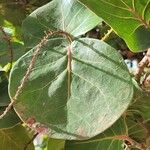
x=129 y=18
x=66 y=15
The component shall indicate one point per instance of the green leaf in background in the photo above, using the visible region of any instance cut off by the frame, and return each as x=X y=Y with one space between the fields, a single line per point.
x=18 y=51
x=4 y=97
x=6 y=47
x=129 y=18
x=11 y=119
x=104 y=141
x=15 y=138
x=13 y=12
x=141 y=102
x=67 y=15
x=136 y=129
x=79 y=104
x=54 y=144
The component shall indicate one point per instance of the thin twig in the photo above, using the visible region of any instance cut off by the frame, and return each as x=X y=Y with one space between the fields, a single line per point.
x=8 y=40
x=32 y=62
x=69 y=70
x=146 y=81
x=143 y=63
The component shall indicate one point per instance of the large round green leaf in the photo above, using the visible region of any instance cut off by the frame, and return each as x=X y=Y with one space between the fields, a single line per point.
x=129 y=18
x=66 y=15
x=76 y=105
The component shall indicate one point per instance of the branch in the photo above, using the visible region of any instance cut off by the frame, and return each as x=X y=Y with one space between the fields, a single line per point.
x=146 y=82
x=145 y=62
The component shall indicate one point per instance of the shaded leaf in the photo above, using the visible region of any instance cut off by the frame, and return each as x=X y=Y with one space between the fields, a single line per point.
x=136 y=130
x=14 y=138
x=141 y=102
x=67 y=15
x=5 y=47
x=4 y=97
x=129 y=18
x=18 y=51
x=76 y=105
x=11 y=119
x=54 y=144
x=13 y=12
